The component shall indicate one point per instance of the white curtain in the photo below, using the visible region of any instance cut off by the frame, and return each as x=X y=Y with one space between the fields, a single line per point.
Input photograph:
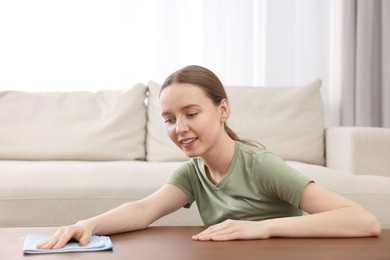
x=105 y=44
x=365 y=63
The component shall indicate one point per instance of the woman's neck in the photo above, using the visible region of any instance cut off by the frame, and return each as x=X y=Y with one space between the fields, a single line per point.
x=218 y=163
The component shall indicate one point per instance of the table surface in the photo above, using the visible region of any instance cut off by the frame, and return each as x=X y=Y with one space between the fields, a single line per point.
x=176 y=243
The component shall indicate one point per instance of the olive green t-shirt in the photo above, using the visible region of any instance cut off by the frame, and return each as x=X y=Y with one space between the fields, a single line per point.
x=258 y=185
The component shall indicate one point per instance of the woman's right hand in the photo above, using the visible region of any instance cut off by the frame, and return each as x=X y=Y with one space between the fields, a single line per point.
x=79 y=231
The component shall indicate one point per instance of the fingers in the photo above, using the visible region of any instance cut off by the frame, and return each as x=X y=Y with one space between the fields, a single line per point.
x=226 y=230
x=85 y=238
x=234 y=229
x=63 y=235
x=52 y=241
x=63 y=239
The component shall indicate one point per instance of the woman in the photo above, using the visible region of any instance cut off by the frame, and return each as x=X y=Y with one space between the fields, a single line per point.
x=242 y=191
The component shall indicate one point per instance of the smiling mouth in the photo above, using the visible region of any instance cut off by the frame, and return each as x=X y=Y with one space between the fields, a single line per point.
x=188 y=141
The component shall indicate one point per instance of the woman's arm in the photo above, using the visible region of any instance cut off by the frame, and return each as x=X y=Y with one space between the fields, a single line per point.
x=331 y=215
x=127 y=217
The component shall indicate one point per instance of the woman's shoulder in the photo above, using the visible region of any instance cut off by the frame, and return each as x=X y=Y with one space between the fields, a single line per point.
x=252 y=150
x=259 y=155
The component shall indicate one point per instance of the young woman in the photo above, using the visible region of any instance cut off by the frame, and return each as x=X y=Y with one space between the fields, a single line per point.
x=242 y=191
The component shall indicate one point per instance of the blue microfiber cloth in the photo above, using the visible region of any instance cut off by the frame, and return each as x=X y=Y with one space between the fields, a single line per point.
x=97 y=243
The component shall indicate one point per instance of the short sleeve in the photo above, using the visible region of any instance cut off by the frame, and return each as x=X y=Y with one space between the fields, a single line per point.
x=181 y=178
x=276 y=179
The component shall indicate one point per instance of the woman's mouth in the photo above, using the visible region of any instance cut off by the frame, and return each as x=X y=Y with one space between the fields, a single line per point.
x=186 y=142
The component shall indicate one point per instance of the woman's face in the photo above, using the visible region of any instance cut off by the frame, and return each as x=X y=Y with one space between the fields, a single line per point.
x=194 y=123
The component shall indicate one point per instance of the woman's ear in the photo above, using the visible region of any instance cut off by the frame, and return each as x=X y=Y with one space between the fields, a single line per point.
x=224 y=109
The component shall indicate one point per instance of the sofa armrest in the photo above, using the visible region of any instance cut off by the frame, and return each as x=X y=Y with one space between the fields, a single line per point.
x=358 y=150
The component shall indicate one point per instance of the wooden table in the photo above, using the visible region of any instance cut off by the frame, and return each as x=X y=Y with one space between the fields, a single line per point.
x=176 y=243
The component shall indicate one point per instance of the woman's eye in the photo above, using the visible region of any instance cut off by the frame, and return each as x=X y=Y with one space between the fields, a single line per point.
x=190 y=115
x=167 y=120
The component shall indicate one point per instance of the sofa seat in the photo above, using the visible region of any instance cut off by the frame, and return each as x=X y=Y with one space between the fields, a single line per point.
x=53 y=193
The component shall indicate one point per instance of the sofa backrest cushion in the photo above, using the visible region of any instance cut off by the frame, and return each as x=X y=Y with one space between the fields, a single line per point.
x=105 y=125
x=288 y=121
x=159 y=148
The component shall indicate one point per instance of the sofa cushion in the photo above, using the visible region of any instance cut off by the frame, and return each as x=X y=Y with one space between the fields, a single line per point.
x=54 y=193
x=105 y=125
x=288 y=121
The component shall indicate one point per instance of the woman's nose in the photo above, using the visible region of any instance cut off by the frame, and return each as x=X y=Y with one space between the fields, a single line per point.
x=181 y=126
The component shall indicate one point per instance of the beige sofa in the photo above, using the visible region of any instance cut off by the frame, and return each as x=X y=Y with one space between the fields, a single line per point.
x=69 y=156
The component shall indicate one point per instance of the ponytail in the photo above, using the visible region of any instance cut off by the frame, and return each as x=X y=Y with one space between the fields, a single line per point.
x=235 y=137
x=231 y=133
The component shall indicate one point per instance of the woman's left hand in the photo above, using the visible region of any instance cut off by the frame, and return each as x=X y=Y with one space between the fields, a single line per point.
x=234 y=230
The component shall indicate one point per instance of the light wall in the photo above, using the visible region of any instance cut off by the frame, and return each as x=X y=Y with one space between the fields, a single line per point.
x=104 y=44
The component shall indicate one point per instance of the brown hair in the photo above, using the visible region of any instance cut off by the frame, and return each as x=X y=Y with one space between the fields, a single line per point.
x=208 y=82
